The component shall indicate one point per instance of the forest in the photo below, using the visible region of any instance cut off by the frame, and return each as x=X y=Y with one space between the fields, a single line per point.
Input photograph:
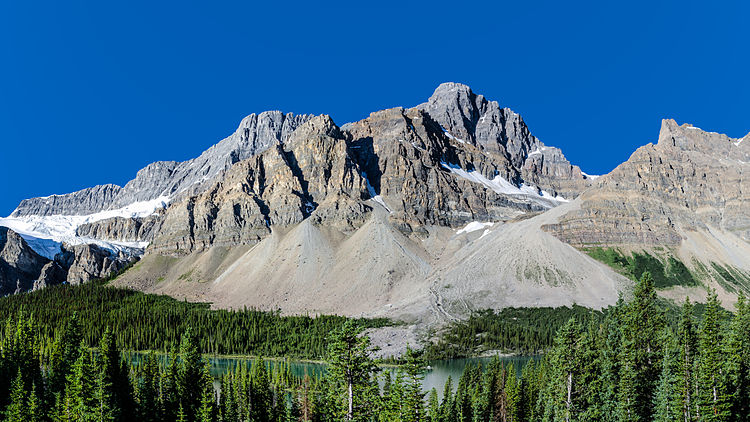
x=630 y=364
x=140 y=321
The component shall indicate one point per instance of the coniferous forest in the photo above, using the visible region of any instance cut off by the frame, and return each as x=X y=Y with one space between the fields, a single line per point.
x=632 y=363
x=140 y=321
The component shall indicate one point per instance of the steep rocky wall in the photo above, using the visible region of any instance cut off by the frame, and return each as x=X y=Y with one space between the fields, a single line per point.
x=689 y=180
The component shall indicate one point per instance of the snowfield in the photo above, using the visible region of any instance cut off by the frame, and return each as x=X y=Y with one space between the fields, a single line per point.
x=45 y=234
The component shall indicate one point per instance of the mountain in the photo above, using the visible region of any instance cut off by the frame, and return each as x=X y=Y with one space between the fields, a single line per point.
x=123 y=219
x=686 y=197
x=424 y=214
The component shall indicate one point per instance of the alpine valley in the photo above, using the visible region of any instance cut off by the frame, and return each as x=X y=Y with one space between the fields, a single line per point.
x=422 y=215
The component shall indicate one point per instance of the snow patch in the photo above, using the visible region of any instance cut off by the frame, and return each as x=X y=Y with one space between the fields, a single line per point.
x=474 y=226
x=591 y=176
x=375 y=197
x=451 y=136
x=45 y=234
x=499 y=184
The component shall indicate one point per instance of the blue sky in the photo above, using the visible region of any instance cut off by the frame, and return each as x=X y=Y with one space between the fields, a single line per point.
x=90 y=92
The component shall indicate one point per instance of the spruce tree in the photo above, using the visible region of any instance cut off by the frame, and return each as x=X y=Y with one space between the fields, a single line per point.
x=433 y=406
x=350 y=368
x=81 y=388
x=148 y=390
x=562 y=400
x=667 y=400
x=413 y=368
x=640 y=352
x=34 y=406
x=190 y=376
x=713 y=397
x=17 y=410
x=688 y=345
x=737 y=352
x=447 y=405
x=65 y=351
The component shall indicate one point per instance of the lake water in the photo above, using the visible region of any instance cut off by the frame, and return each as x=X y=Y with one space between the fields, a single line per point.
x=435 y=377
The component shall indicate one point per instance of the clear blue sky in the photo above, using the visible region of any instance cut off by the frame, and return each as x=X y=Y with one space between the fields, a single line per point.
x=90 y=92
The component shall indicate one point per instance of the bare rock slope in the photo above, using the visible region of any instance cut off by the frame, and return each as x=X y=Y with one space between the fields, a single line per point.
x=688 y=195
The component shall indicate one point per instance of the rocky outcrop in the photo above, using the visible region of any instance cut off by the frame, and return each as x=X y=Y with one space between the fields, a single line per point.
x=255 y=134
x=89 y=262
x=311 y=173
x=407 y=159
x=690 y=180
x=82 y=202
x=21 y=269
x=473 y=119
x=121 y=229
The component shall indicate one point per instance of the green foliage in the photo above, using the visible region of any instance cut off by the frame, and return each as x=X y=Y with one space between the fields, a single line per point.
x=667 y=273
x=140 y=321
x=518 y=330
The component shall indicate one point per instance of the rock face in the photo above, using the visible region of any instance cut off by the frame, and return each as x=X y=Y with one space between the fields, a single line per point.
x=89 y=262
x=21 y=268
x=399 y=159
x=310 y=173
x=473 y=119
x=408 y=159
x=83 y=202
x=691 y=180
x=121 y=229
x=255 y=133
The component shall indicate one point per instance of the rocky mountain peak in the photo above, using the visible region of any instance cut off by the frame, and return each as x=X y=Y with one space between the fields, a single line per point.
x=457 y=109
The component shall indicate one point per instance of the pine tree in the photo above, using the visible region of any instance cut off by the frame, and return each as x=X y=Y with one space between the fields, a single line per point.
x=305 y=403
x=641 y=352
x=413 y=367
x=737 y=352
x=261 y=398
x=170 y=396
x=447 y=406
x=206 y=411
x=181 y=415
x=148 y=390
x=35 y=411
x=350 y=368
x=433 y=406
x=513 y=394
x=687 y=344
x=562 y=401
x=713 y=397
x=190 y=376
x=65 y=351
x=17 y=410
x=667 y=400
x=109 y=379
x=81 y=388
x=611 y=364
